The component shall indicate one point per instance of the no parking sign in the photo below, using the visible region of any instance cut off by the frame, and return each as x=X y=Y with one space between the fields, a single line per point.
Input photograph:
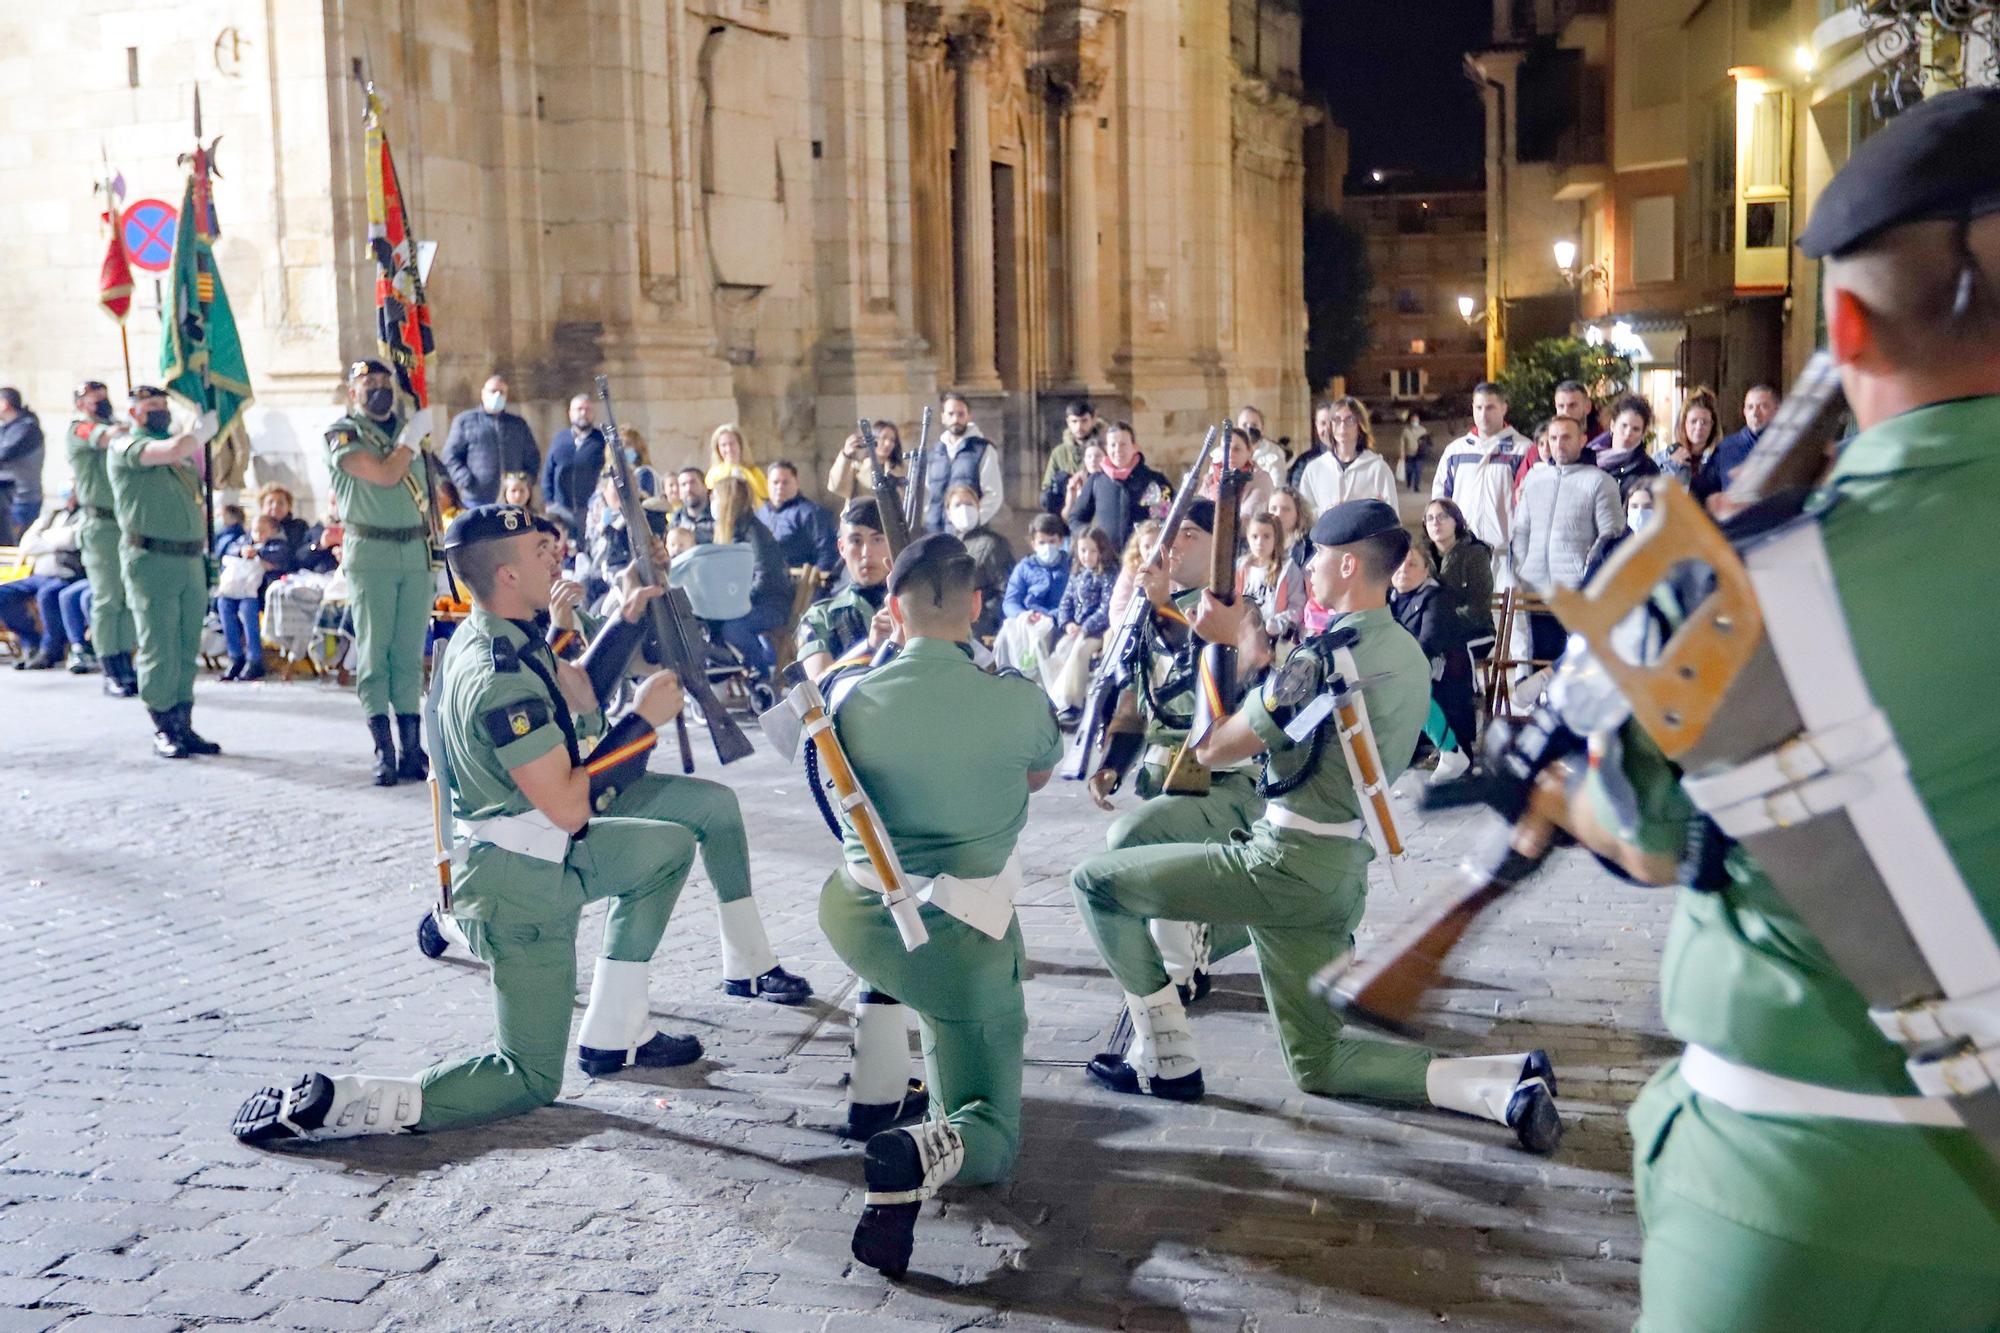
x=149 y=227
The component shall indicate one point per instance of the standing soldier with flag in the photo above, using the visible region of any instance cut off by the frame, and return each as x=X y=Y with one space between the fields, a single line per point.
x=91 y=437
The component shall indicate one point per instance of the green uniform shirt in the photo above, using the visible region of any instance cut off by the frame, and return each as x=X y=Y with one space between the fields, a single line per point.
x=1161 y=662
x=1398 y=706
x=87 y=442
x=1742 y=976
x=161 y=500
x=364 y=502
x=950 y=809
x=498 y=713
x=836 y=624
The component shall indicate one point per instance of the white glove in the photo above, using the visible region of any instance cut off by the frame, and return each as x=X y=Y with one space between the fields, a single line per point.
x=417 y=430
x=205 y=427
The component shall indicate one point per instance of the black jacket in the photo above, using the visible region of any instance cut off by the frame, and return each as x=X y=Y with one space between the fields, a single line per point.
x=482 y=447
x=21 y=453
x=1629 y=468
x=1116 y=507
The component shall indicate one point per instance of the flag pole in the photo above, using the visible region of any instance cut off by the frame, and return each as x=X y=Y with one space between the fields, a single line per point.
x=111 y=211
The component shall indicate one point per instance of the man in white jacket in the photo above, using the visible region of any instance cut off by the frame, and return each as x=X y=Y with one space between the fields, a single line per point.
x=1350 y=470
x=1476 y=472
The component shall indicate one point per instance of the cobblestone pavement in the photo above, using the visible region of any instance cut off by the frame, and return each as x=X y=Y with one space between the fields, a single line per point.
x=173 y=935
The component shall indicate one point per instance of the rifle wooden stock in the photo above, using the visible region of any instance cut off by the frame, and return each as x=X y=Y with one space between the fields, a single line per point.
x=670 y=615
x=1386 y=991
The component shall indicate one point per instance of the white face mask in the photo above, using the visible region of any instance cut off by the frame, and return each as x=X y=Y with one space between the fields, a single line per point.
x=1637 y=518
x=495 y=401
x=1049 y=555
x=963 y=517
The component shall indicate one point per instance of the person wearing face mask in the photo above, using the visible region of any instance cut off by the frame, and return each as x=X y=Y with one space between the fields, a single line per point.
x=962 y=457
x=576 y=457
x=1350 y=469
x=991 y=554
x=486 y=445
x=1034 y=594
x=92 y=434
x=380 y=486
x=157 y=492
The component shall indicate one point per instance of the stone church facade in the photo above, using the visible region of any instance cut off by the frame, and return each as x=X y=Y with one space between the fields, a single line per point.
x=786 y=213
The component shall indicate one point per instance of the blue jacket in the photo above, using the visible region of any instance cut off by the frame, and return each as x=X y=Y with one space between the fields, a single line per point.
x=1722 y=461
x=806 y=532
x=570 y=473
x=1086 y=602
x=1034 y=586
x=225 y=538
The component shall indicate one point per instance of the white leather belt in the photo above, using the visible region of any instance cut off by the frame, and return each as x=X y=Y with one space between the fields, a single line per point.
x=1279 y=817
x=987 y=905
x=1754 y=1092
x=530 y=834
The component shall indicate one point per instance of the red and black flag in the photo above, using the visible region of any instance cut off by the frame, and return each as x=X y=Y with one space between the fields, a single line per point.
x=114 y=280
x=402 y=316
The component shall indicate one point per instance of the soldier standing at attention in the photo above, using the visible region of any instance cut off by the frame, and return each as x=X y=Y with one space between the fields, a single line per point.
x=379 y=484
x=156 y=490
x=1299 y=881
x=1792 y=1174
x=547 y=830
x=91 y=437
x=949 y=755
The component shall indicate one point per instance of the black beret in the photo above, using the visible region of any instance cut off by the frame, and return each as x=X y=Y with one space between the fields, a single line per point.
x=1356 y=520
x=142 y=391
x=932 y=550
x=1938 y=161
x=492 y=523
x=1201 y=513
x=366 y=366
x=863 y=513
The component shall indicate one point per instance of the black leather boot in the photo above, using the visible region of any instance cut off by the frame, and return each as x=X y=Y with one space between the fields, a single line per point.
x=167 y=741
x=121 y=679
x=415 y=765
x=385 y=751
x=195 y=744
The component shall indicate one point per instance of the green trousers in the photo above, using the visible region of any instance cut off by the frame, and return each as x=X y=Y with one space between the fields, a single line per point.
x=710 y=811
x=390 y=592
x=1300 y=895
x=637 y=856
x=169 y=598
x=111 y=629
x=965 y=989
x=1231 y=803
x=1704 y=1271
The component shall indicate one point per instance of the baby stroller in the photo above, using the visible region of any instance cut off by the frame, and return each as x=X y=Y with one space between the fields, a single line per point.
x=716 y=578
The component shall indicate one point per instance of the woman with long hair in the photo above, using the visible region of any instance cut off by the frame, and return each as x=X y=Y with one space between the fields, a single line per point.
x=1695 y=434
x=770 y=583
x=852 y=477
x=729 y=456
x=1464 y=566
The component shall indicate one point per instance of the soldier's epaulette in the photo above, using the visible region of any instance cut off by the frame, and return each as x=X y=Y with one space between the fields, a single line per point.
x=506 y=657
x=341 y=433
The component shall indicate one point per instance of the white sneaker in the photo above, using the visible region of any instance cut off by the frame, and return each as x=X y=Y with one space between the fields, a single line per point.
x=1451 y=764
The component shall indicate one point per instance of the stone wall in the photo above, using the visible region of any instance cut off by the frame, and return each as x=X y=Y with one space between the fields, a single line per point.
x=780 y=212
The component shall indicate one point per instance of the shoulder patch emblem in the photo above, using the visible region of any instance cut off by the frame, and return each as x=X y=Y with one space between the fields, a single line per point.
x=510 y=722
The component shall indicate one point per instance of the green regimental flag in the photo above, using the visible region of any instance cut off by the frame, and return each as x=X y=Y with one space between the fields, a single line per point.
x=201 y=358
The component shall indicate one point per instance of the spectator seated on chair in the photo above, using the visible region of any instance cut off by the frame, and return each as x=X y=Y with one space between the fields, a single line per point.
x=992 y=557
x=1430 y=612
x=276 y=501
x=1464 y=566
x=1082 y=618
x=234 y=526
x=52 y=542
x=249 y=566
x=1034 y=595
x=770 y=584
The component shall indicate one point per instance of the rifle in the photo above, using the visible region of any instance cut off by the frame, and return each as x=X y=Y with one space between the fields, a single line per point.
x=919 y=477
x=1215 y=693
x=1110 y=678
x=672 y=620
x=1673 y=697
x=887 y=499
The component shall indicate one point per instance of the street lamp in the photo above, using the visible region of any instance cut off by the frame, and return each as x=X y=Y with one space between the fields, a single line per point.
x=1467 y=310
x=1566 y=257
x=1591 y=275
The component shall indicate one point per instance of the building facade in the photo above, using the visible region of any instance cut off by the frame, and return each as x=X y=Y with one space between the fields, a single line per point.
x=1677 y=150
x=1426 y=250
x=786 y=213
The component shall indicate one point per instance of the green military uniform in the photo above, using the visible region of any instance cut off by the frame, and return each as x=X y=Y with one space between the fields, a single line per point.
x=1232 y=802
x=1300 y=893
x=164 y=563
x=840 y=622
x=498 y=711
x=388 y=563
x=1815 y=1223
x=111 y=629
x=943 y=749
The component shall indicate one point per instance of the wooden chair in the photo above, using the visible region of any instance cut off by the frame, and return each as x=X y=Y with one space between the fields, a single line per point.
x=807 y=580
x=1497 y=693
x=13 y=565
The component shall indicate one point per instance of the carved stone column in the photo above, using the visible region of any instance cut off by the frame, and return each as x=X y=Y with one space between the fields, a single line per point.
x=973 y=238
x=1081 y=223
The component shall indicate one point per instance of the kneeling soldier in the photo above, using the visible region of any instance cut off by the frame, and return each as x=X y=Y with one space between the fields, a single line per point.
x=1298 y=879
x=548 y=832
x=949 y=755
